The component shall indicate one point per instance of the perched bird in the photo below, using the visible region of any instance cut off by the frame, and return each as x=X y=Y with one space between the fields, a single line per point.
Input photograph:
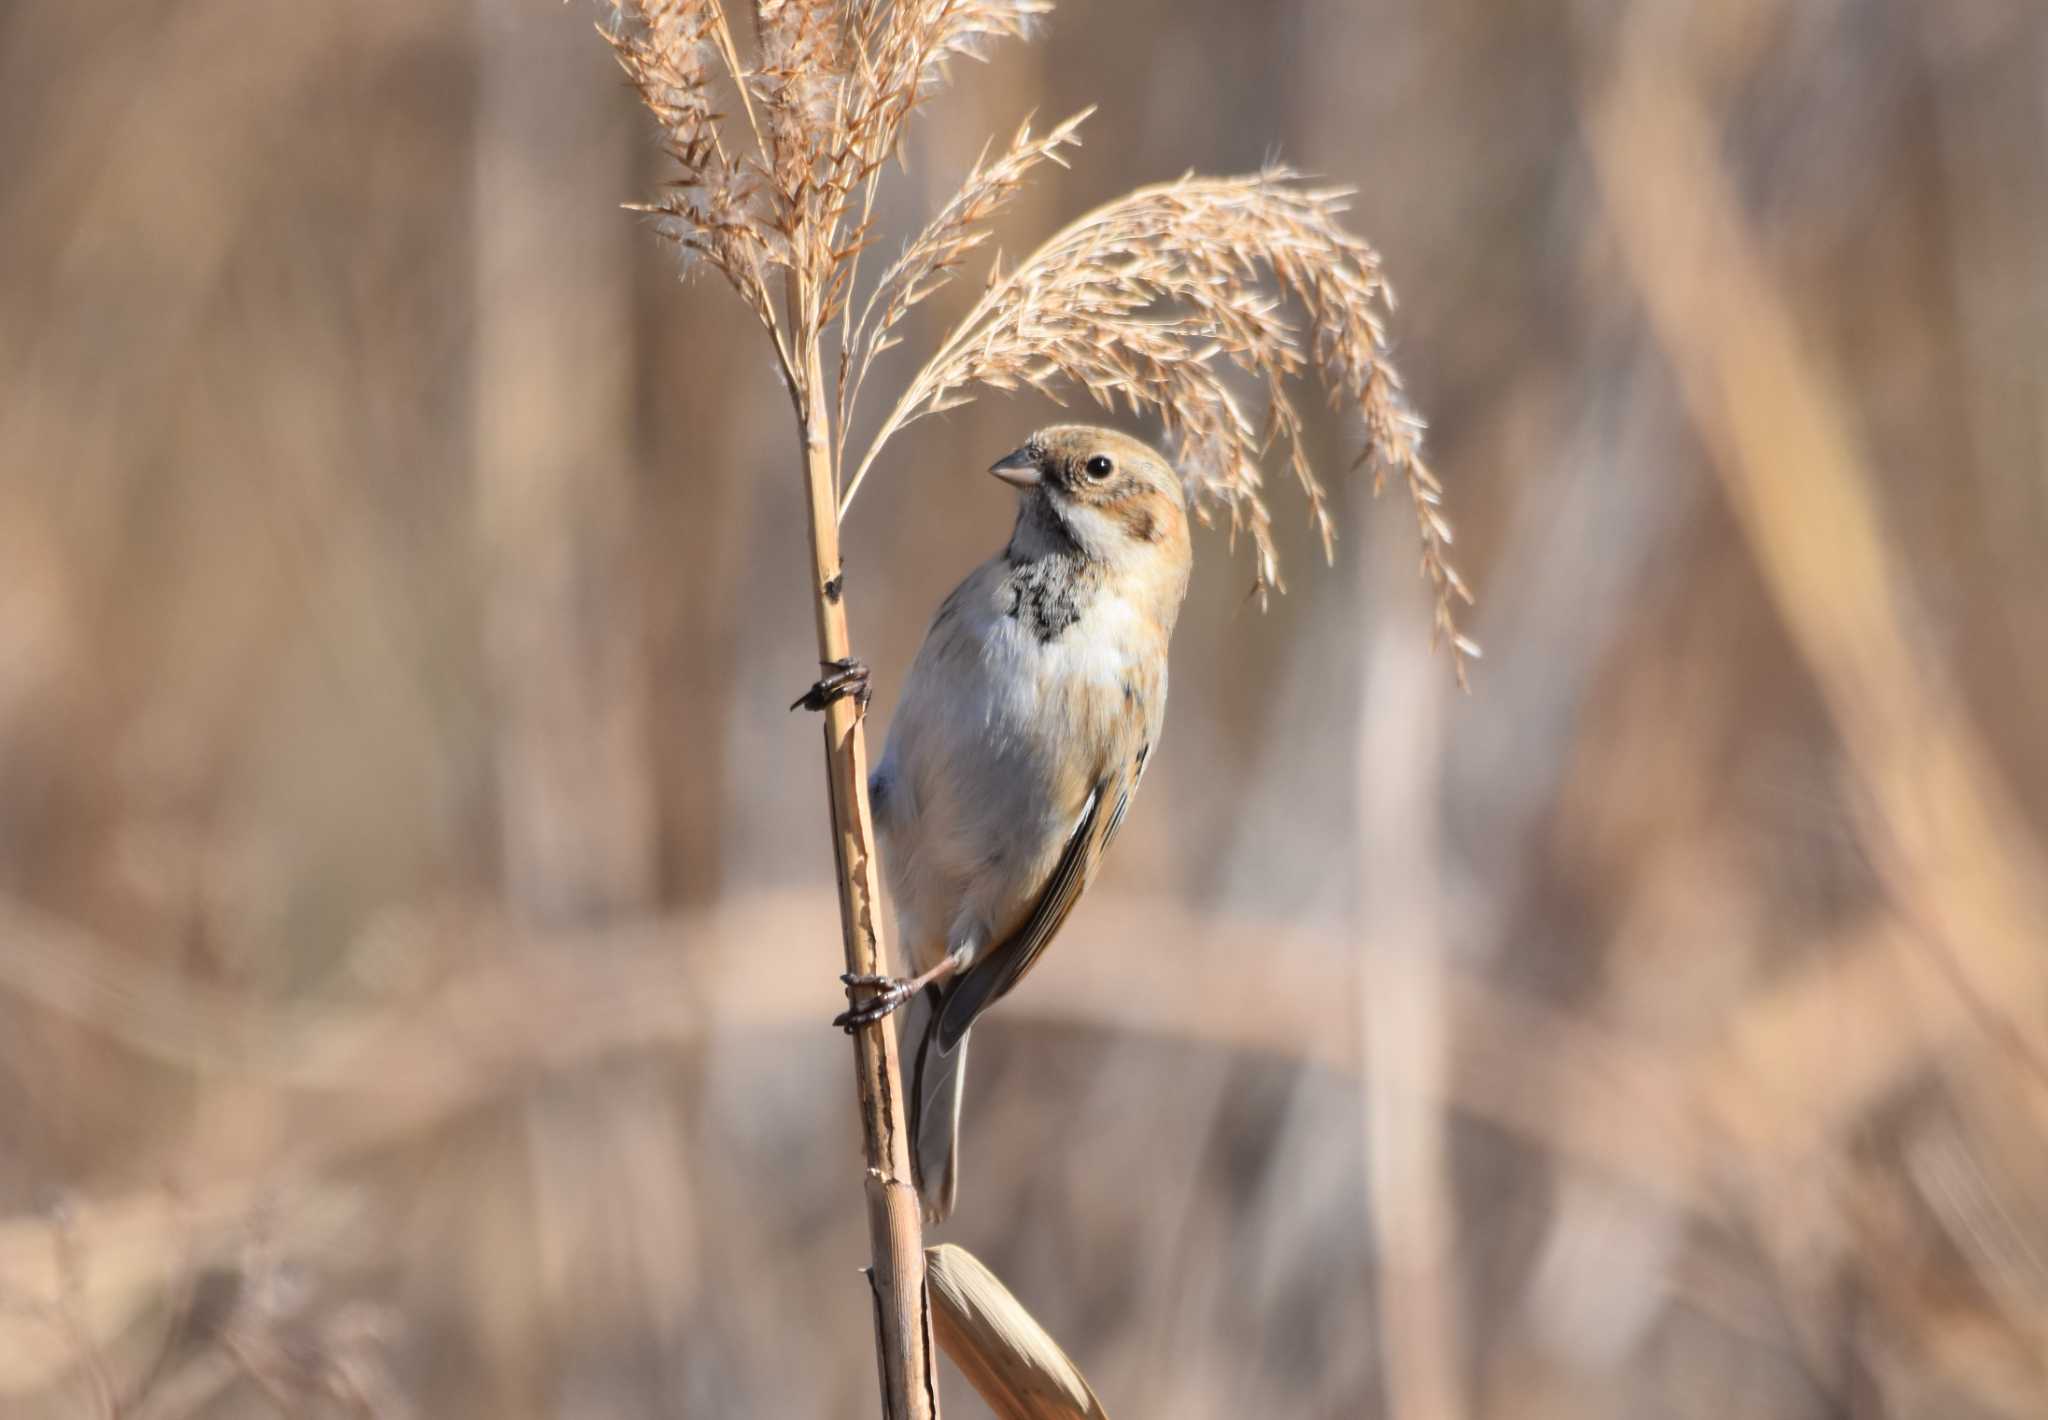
x=1021 y=736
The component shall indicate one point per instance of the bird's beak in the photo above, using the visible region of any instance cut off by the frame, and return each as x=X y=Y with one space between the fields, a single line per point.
x=1019 y=470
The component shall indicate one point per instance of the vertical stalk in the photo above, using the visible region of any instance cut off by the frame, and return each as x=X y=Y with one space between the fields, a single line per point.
x=555 y=512
x=903 y=1333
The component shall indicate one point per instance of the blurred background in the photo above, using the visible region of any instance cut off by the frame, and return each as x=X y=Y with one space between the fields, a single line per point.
x=416 y=925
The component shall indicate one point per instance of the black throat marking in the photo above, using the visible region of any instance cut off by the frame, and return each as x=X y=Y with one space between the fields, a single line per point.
x=1050 y=592
x=1051 y=579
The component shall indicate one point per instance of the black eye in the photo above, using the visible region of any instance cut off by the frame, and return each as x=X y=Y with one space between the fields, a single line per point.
x=1100 y=466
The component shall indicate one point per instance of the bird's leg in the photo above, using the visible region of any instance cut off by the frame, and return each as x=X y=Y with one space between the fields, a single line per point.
x=890 y=992
x=842 y=678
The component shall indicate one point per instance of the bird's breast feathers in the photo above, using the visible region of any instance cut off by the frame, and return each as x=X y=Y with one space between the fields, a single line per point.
x=1002 y=733
x=1047 y=653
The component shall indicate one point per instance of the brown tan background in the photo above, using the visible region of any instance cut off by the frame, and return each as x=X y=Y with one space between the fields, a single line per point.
x=416 y=939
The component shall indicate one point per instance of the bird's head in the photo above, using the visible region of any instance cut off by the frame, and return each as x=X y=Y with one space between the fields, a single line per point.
x=1114 y=497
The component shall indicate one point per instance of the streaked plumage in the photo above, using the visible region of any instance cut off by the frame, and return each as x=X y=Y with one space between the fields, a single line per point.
x=1021 y=735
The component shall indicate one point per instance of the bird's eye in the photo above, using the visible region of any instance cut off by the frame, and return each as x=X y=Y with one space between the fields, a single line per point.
x=1100 y=466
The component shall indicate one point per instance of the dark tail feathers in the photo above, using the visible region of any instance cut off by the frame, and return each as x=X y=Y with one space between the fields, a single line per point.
x=936 y=1077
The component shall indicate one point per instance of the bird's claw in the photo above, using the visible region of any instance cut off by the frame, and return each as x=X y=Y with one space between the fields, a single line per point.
x=890 y=992
x=843 y=677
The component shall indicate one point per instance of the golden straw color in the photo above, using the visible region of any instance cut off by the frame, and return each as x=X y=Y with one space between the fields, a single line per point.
x=417 y=911
x=1009 y=1359
x=1143 y=303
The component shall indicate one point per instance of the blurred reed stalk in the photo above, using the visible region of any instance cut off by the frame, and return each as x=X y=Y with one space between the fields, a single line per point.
x=1131 y=304
x=575 y=807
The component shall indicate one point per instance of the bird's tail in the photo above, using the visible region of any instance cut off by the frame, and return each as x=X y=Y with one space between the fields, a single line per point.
x=936 y=1076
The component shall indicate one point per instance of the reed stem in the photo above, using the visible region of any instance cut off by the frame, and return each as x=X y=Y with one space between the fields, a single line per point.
x=903 y=1331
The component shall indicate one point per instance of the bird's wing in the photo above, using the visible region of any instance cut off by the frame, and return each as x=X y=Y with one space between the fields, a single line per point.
x=1002 y=967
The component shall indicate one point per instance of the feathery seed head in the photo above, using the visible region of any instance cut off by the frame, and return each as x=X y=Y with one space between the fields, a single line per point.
x=1178 y=301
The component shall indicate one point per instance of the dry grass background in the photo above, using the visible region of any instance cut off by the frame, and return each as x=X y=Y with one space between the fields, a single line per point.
x=416 y=934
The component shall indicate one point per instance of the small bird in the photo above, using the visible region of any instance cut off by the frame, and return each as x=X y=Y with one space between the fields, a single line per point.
x=1022 y=734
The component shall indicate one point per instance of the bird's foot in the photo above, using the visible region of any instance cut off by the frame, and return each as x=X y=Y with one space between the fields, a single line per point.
x=890 y=992
x=842 y=678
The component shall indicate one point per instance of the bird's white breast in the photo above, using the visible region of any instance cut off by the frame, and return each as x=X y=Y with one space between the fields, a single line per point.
x=997 y=741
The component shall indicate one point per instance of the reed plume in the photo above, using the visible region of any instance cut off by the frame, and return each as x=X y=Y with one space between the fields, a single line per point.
x=1199 y=302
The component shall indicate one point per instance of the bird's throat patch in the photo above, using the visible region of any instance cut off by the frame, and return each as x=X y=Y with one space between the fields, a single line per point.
x=1048 y=594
